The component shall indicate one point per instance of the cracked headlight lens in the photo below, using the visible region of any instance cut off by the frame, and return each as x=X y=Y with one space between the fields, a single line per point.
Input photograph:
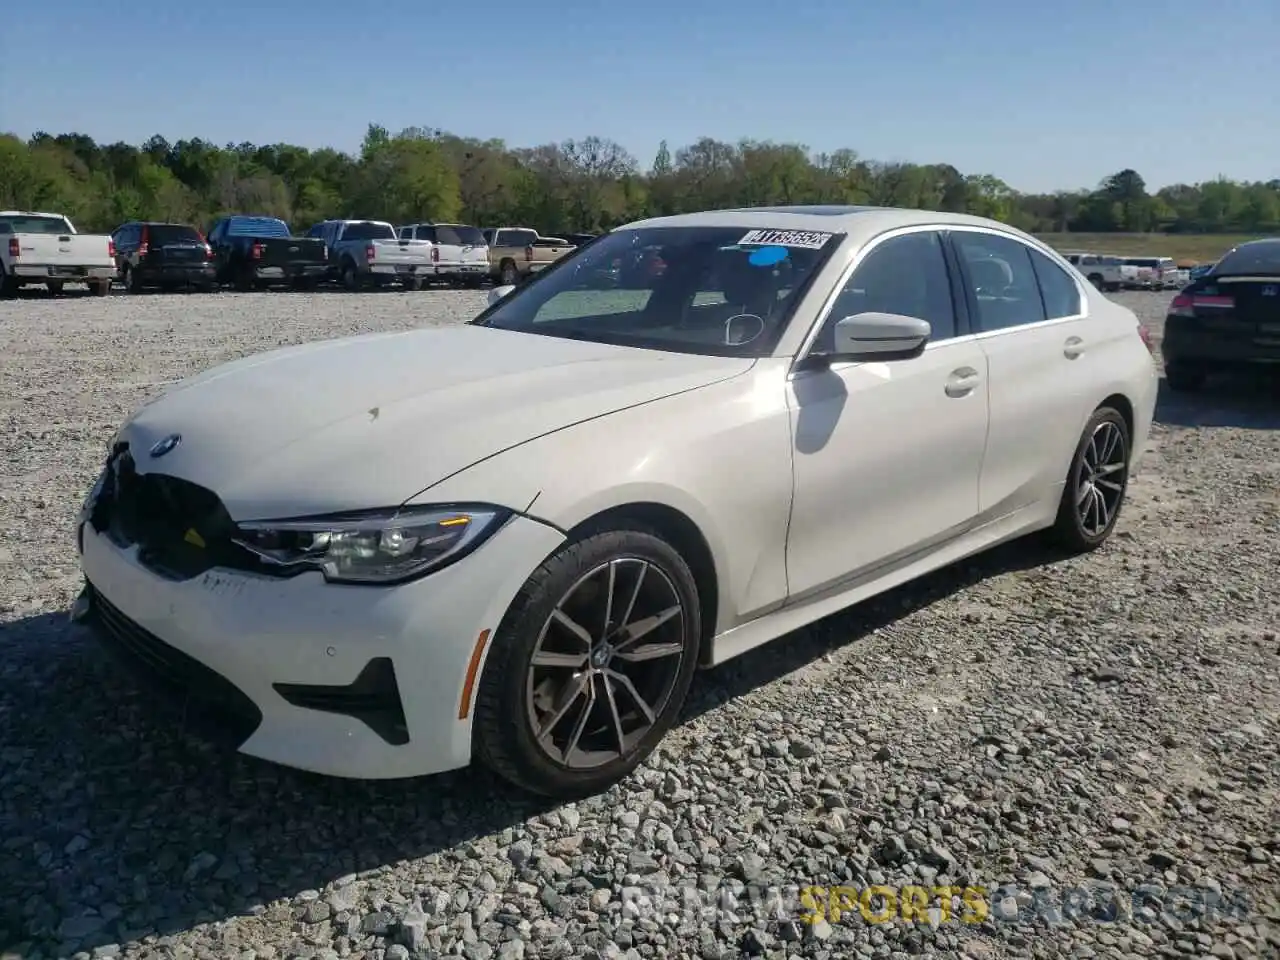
x=372 y=547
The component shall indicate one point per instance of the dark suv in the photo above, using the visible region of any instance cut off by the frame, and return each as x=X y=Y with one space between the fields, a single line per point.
x=166 y=255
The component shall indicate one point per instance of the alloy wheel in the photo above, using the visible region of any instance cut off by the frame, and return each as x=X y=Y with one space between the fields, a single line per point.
x=1101 y=478
x=605 y=663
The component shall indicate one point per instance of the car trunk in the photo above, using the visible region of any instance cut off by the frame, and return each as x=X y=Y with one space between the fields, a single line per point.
x=1245 y=308
x=167 y=247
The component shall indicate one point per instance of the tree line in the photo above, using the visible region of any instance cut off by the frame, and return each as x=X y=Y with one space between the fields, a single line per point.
x=583 y=185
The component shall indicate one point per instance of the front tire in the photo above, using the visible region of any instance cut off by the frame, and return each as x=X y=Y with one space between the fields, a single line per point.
x=590 y=666
x=1096 y=484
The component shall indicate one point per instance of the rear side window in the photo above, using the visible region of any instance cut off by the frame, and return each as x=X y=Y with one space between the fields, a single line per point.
x=1001 y=279
x=1060 y=293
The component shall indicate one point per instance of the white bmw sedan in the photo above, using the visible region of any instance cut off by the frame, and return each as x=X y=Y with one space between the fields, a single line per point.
x=516 y=539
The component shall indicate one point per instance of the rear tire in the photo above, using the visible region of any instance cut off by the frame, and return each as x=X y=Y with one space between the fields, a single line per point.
x=131 y=281
x=1185 y=377
x=412 y=283
x=54 y=287
x=100 y=288
x=1096 y=484
x=350 y=277
x=514 y=731
x=8 y=286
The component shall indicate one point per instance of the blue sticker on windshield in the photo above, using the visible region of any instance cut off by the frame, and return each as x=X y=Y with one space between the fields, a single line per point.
x=768 y=256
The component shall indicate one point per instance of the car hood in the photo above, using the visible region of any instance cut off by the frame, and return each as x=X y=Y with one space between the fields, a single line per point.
x=370 y=421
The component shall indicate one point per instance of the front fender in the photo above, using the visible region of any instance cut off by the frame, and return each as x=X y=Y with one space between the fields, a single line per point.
x=720 y=455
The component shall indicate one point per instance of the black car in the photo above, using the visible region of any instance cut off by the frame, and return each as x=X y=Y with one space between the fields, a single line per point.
x=164 y=255
x=256 y=252
x=1226 y=319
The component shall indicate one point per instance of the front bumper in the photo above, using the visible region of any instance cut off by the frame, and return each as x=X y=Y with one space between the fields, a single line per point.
x=286 y=669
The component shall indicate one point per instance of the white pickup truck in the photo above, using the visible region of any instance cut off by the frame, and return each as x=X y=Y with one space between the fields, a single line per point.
x=368 y=253
x=1103 y=271
x=45 y=248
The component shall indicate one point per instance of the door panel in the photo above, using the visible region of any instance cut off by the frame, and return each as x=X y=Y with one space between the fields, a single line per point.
x=887 y=458
x=1028 y=314
x=887 y=455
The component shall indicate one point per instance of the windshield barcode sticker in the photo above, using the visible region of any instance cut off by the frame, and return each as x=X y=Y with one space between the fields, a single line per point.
x=806 y=239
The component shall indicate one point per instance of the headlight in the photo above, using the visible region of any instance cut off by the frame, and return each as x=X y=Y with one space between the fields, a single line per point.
x=382 y=547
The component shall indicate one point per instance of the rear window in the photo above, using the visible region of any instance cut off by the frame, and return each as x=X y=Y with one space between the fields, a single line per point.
x=516 y=238
x=161 y=233
x=368 y=230
x=1262 y=259
x=257 y=227
x=24 y=224
x=459 y=235
x=1142 y=262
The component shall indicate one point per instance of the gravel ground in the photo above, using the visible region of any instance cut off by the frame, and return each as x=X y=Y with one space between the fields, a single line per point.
x=1089 y=740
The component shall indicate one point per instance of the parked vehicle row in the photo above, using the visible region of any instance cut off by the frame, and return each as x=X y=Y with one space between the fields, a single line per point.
x=259 y=252
x=1111 y=273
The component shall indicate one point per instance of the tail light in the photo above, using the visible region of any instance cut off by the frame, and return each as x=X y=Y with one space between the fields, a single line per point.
x=143 y=244
x=111 y=247
x=528 y=254
x=15 y=251
x=370 y=252
x=208 y=252
x=1145 y=334
x=1182 y=306
x=257 y=251
x=435 y=254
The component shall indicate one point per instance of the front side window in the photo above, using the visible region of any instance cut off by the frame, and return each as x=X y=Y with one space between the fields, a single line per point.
x=905 y=275
x=1001 y=280
x=720 y=291
x=1060 y=294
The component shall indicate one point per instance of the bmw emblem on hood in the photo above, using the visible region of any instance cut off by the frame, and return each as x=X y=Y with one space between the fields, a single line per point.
x=167 y=445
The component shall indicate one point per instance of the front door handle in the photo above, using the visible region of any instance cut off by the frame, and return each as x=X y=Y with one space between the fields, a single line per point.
x=1073 y=348
x=962 y=382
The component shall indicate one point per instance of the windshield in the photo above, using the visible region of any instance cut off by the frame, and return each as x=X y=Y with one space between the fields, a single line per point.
x=1254 y=259
x=158 y=234
x=27 y=224
x=719 y=291
x=368 y=230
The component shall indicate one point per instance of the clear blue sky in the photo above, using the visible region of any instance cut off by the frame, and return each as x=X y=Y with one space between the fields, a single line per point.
x=1043 y=93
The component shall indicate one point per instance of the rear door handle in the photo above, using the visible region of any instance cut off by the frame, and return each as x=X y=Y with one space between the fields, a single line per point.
x=962 y=382
x=1073 y=348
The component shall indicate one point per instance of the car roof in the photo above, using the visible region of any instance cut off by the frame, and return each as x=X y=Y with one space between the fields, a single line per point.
x=828 y=218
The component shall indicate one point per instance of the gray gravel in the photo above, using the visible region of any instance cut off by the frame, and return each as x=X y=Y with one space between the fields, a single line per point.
x=1105 y=725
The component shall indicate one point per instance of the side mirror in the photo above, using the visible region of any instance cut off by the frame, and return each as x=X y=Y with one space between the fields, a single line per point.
x=880 y=337
x=497 y=293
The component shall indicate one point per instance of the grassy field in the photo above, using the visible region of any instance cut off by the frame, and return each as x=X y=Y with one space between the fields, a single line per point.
x=1180 y=246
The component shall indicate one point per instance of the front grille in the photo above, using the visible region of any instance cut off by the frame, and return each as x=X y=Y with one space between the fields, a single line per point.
x=209 y=702
x=181 y=529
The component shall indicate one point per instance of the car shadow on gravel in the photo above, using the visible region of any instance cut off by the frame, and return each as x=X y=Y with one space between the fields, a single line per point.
x=110 y=815
x=1249 y=401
